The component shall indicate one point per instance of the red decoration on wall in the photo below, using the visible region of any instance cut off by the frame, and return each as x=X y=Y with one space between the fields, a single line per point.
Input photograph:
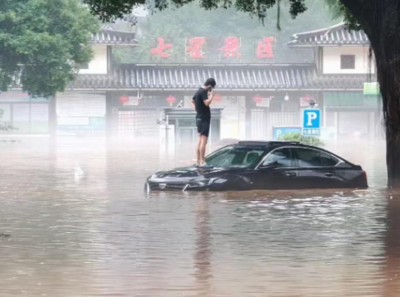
x=195 y=47
x=257 y=99
x=264 y=48
x=161 y=47
x=217 y=98
x=171 y=100
x=305 y=100
x=124 y=99
x=231 y=47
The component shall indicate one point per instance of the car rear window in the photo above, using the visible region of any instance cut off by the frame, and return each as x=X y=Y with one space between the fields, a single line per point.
x=328 y=160
x=308 y=157
x=314 y=158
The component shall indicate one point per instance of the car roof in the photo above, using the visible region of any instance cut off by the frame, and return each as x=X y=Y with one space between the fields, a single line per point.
x=276 y=144
x=267 y=144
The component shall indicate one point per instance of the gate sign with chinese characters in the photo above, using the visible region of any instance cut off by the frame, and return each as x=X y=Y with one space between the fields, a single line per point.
x=229 y=48
x=311 y=122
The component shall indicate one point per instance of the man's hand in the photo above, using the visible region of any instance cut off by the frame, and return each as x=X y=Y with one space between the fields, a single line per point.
x=192 y=104
x=210 y=98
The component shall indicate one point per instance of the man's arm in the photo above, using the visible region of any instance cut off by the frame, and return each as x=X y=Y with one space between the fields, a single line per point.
x=209 y=100
x=192 y=104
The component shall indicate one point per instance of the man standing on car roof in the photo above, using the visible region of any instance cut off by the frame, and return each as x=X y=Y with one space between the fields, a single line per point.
x=201 y=103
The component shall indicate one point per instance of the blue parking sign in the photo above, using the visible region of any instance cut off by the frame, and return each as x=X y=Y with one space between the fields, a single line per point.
x=311 y=122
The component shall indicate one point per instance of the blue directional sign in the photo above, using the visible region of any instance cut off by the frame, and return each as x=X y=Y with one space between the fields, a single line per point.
x=312 y=122
x=278 y=132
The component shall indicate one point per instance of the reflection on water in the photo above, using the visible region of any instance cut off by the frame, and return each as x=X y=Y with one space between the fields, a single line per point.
x=97 y=234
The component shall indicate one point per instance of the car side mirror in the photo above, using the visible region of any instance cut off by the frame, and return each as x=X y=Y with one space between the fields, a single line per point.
x=269 y=165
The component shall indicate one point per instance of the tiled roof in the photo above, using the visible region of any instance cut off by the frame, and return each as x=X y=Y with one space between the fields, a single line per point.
x=336 y=35
x=342 y=81
x=111 y=37
x=228 y=77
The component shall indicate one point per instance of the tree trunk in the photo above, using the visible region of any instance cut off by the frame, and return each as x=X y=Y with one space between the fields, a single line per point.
x=380 y=19
x=389 y=81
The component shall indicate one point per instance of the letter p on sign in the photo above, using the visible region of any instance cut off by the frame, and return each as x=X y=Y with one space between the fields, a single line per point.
x=311 y=116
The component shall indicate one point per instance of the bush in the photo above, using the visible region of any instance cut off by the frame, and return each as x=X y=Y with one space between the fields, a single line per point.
x=308 y=140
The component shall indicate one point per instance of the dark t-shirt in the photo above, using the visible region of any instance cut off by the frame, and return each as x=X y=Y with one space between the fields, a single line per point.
x=203 y=111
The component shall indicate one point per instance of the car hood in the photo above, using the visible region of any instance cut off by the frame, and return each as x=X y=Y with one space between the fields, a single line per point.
x=190 y=173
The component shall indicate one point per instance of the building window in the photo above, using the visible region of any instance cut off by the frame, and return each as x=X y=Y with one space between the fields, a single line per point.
x=347 y=62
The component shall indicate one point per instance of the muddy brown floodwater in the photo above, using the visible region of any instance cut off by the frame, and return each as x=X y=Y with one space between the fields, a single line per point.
x=76 y=222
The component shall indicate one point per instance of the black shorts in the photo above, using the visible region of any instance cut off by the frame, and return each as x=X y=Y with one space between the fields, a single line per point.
x=203 y=126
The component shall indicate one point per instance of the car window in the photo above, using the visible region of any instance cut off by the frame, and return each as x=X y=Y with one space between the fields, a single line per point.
x=308 y=157
x=221 y=158
x=328 y=160
x=282 y=157
x=252 y=157
x=235 y=157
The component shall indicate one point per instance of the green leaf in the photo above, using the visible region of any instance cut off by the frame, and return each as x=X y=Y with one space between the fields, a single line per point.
x=47 y=37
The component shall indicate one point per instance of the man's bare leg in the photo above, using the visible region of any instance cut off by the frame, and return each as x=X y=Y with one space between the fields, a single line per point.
x=198 y=151
x=203 y=146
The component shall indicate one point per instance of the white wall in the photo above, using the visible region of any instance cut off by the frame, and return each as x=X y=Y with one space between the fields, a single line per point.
x=233 y=124
x=80 y=113
x=331 y=60
x=98 y=65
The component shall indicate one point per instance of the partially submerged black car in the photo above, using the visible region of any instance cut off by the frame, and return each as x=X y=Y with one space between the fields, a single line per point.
x=251 y=165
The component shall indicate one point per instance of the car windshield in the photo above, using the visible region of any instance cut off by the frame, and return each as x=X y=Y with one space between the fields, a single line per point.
x=240 y=157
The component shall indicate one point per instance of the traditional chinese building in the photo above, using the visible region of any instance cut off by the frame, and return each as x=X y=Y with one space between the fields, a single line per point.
x=83 y=111
x=238 y=88
x=345 y=70
x=127 y=99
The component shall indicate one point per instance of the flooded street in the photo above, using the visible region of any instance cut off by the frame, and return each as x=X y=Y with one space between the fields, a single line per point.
x=80 y=224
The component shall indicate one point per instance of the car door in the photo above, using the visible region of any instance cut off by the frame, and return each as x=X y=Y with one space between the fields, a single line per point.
x=315 y=169
x=342 y=171
x=276 y=171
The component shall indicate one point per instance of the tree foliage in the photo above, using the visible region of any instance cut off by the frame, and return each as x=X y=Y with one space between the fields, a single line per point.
x=339 y=10
x=42 y=40
x=111 y=10
x=308 y=140
x=116 y=9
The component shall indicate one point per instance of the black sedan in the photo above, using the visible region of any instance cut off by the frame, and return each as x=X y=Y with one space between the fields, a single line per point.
x=250 y=165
